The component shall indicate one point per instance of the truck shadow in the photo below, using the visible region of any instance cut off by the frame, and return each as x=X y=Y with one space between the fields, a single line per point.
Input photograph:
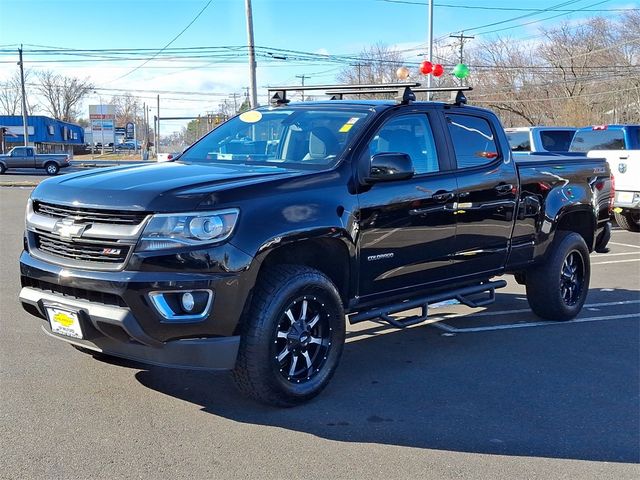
x=566 y=391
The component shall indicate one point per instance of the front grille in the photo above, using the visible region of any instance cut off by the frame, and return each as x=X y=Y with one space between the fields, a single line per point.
x=83 y=250
x=89 y=215
x=75 y=293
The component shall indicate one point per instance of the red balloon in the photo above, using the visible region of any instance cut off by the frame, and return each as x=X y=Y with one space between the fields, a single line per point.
x=438 y=70
x=426 y=67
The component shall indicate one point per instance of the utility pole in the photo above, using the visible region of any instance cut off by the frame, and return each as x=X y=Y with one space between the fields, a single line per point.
x=430 y=42
x=302 y=77
x=462 y=38
x=252 y=56
x=158 y=128
x=24 y=100
x=235 y=96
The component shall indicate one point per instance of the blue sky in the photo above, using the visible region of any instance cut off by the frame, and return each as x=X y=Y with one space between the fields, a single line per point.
x=327 y=26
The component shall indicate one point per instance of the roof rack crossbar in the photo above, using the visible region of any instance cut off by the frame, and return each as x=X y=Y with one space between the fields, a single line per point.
x=373 y=86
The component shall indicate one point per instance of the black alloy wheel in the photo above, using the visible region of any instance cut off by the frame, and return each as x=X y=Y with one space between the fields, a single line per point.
x=557 y=286
x=572 y=278
x=291 y=338
x=303 y=339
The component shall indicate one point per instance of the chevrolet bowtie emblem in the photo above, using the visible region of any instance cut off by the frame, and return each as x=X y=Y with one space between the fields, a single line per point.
x=67 y=229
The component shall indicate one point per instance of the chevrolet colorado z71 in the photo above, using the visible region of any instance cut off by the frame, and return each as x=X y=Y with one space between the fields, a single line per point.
x=249 y=251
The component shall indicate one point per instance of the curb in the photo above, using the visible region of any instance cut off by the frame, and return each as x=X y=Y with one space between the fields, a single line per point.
x=20 y=184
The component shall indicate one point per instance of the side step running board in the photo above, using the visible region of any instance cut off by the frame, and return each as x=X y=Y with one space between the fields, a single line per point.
x=463 y=295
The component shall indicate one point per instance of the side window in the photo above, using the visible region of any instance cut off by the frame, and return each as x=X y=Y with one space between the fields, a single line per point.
x=19 y=153
x=473 y=140
x=410 y=134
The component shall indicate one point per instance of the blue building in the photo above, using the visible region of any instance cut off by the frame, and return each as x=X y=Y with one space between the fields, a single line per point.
x=48 y=135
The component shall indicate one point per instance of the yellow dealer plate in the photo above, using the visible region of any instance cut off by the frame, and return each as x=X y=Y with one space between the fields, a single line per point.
x=64 y=322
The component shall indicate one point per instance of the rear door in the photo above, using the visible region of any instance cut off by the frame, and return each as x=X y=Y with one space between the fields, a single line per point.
x=407 y=227
x=487 y=189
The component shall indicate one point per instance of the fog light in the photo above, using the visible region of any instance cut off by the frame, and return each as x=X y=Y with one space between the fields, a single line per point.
x=188 y=302
x=181 y=306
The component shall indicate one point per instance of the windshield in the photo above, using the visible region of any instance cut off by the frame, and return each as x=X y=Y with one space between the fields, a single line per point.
x=288 y=137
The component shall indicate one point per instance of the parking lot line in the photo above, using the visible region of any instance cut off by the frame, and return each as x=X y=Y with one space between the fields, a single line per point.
x=524 y=310
x=450 y=329
x=624 y=245
x=617 y=261
x=603 y=255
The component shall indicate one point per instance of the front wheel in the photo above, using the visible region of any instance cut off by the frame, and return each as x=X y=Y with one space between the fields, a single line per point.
x=628 y=220
x=557 y=288
x=2 y=168
x=292 y=337
x=51 y=168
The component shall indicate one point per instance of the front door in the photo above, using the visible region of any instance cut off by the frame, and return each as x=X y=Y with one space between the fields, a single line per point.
x=407 y=227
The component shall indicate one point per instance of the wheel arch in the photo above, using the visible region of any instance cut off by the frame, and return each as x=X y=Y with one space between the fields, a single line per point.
x=580 y=220
x=332 y=255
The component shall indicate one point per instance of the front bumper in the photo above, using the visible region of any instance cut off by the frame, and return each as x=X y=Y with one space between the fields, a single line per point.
x=118 y=318
x=114 y=331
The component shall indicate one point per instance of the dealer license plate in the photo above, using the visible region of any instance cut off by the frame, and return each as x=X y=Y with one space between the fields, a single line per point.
x=64 y=322
x=625 y=197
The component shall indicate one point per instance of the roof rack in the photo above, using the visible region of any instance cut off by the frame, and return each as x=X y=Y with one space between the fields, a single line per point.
x=405 y=91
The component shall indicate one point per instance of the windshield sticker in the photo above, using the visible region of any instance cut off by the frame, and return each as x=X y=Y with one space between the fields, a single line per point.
x=347 y=126
x=252 y=116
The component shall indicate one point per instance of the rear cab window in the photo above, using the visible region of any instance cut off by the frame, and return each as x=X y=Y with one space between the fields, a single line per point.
x=473 y=140
x=556 y=140
x=598 y=139
x=519 y=141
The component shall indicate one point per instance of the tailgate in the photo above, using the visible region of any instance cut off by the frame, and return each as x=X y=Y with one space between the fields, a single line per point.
x=625 y=167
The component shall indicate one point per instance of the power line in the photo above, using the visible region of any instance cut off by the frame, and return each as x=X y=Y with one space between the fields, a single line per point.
x=167 y=45
x=537 y=21
x=511 y=9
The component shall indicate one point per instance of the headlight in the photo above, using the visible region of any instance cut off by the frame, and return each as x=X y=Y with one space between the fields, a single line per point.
x=171 y=230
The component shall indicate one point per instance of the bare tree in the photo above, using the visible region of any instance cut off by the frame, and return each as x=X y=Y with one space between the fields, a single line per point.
x=62 y=95
x=375 y=64
x=578 y=74
x=10 y=95
x=127 y=108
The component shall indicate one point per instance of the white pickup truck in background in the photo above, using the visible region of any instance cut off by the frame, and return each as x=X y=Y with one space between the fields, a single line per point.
x=540 y=139
x=620 y=145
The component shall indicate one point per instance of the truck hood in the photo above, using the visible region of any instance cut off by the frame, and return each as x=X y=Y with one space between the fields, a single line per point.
x=163 y=187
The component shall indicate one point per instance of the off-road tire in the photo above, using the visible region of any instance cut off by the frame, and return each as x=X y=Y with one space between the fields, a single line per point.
x=258 y=372
x=547 y=282
x=52 y=168
x=627 y=221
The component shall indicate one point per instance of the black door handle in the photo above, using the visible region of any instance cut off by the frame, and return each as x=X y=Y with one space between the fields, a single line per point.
x=443 y=196
x=504 y=188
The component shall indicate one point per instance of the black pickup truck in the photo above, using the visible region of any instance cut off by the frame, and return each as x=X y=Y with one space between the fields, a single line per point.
x=250 y=250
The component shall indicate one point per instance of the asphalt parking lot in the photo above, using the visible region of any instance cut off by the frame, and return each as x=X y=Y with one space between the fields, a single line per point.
x=485 y=393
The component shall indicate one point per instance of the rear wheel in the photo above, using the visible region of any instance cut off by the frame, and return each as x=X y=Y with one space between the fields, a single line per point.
x=51 y=168
x=628 y=220
x=557 y=288
x=292 y=338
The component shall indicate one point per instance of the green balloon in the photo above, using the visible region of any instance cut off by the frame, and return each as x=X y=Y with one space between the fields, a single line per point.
x=461 y=71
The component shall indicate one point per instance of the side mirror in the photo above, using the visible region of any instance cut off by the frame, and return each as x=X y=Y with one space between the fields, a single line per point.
x=387 y=167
